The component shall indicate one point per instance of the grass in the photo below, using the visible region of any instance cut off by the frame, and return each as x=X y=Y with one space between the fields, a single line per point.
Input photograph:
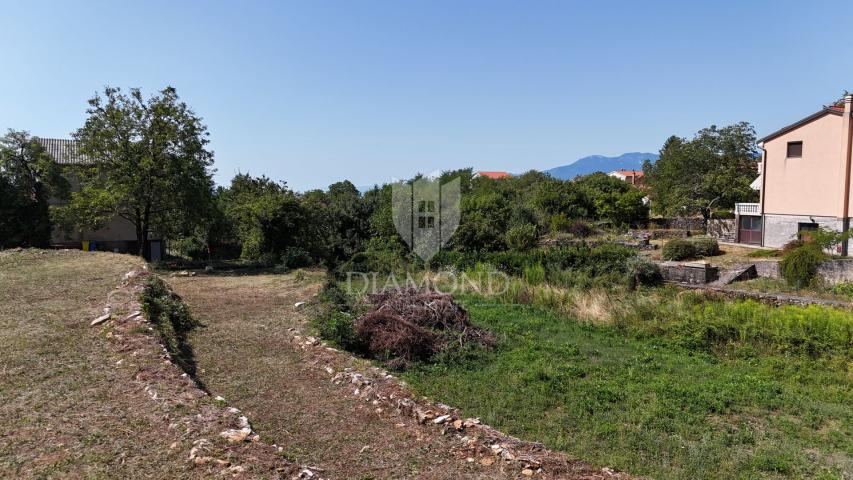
x=648 y=405
x=68 y=411
x=841 y=291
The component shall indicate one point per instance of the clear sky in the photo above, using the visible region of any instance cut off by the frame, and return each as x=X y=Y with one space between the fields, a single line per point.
x=317 y=91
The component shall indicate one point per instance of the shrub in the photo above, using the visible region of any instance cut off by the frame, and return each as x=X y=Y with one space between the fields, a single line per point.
x=793 y=244
x=339 y=328
x=560 y=223
x=705 y=246
x=295 y=257
x=642 y=271
x=678 y=249
x=580 y=228
x=521 y=237
x=799 y=266
x=171 y=319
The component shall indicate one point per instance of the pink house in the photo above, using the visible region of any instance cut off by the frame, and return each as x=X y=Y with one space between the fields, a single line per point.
x=805 y=180
x=634 y=177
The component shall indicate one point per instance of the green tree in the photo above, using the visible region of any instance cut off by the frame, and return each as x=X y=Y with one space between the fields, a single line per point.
x=713 y=170
x=29 y=178
x=614 y=200
x=151 y=166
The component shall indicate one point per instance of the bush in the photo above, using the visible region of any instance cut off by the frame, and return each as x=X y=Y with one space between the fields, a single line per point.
x=560 y=223
x=581 y=228
x=678 y=249
x=295 y=257
x=799 y=266
x=171 y=319
x=642 y=271
x=705 y=246
x=521 y=237
x=793 y=244
x=339 y=328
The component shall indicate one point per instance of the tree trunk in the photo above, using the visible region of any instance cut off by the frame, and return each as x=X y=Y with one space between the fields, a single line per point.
x=140 y=243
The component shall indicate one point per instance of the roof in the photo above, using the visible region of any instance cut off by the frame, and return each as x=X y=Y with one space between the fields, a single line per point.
x=494 y=175
x=629 y=173
x=64 y=151
x=833 y=110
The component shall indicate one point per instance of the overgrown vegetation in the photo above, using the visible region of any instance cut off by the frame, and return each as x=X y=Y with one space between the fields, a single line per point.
x=172 y=321
x=28 y=179
x=659 y=403
x=802 y=257
x=689 y=248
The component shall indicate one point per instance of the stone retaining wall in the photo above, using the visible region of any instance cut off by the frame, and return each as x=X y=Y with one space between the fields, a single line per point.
x=723 y=229
x=834 y=272
x=678 y=223
x=690 y=273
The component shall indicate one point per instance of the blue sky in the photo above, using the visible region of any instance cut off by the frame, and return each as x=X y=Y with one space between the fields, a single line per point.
x=317 y=91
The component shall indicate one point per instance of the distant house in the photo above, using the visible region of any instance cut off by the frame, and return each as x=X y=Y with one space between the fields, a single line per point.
x=634 y=177
x=804 y=179
x=118 y=235
x=492 y=175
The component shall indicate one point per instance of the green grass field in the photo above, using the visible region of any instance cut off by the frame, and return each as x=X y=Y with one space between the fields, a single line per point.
x=648 y=405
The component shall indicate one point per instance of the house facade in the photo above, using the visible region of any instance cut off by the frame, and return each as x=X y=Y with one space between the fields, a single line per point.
x=492 y=175
x=634 y=177
x=117 y=235
x=804 y=180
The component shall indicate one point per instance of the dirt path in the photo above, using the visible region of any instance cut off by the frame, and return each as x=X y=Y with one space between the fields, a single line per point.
x=103 y=401
x=246 y=354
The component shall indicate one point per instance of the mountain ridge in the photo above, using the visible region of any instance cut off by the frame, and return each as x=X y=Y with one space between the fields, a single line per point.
x=601 y=163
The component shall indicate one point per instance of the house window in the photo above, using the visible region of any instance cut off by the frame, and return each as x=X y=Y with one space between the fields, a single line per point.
x=804 y=231
x=795 y=149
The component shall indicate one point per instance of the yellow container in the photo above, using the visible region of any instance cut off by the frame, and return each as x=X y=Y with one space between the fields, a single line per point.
x=85 y=245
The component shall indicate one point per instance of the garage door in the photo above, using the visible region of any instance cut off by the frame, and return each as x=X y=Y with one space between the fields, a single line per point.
x=749 y=230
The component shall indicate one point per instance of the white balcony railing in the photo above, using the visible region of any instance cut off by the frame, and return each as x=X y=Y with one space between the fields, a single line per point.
x=747 y=209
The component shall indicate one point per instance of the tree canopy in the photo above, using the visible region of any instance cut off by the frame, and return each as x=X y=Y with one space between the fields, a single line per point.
x=28 y=180
x=713 y=170
x=150 y=165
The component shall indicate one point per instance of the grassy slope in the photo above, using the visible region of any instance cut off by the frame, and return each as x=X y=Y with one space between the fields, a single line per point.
x=650 y=408
x=67 y=410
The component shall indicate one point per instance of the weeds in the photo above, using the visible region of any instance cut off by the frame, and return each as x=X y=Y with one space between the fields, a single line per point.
x=172 y=321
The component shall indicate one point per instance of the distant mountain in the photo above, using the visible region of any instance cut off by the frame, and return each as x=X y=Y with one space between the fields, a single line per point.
x=599 y=163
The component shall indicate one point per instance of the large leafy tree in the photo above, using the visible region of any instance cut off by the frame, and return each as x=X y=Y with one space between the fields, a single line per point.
x=151 y=165
x=29 y=178
x=713 y=170
x=614 y=200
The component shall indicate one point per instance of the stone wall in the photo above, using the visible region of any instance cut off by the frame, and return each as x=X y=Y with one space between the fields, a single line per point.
x=692 y=273
x=678 y=223
x=723 y=229
x=767 y=269
x=834 y=272
x=781 y=229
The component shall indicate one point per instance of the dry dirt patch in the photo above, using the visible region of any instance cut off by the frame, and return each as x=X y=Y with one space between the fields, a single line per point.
x=102 y=401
